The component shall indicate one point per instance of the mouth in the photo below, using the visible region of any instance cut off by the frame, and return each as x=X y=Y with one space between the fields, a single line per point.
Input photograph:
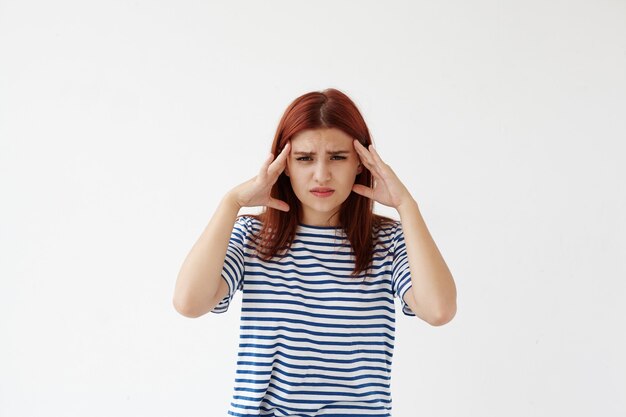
x=322 y=192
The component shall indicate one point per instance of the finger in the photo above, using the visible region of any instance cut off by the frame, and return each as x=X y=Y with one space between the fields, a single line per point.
x=266 y=163
x=358 y=146
x=365 y=156
x=368 y=160
x=375 y=155
x=278 y=204
x=381 y=166
x=363 y=190
x=279 y=163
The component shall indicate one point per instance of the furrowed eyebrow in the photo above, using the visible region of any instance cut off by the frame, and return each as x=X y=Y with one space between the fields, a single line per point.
x=327 y=152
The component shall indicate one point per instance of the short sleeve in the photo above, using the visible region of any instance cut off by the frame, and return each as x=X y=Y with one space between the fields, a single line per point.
x=233 y=269
x=400 y=275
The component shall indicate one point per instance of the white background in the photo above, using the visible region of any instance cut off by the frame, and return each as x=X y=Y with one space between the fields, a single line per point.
x=123 y=123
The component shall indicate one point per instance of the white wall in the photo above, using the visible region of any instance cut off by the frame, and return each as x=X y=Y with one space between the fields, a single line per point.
x=121 y=124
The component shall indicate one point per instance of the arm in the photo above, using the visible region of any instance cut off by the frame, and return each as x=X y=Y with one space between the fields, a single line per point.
x=199 y=286
x=433 y=294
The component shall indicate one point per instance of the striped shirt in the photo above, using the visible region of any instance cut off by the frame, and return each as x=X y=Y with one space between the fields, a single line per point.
x=315 y=341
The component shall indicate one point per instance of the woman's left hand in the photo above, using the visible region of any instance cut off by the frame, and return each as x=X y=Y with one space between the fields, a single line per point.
x=388 y=189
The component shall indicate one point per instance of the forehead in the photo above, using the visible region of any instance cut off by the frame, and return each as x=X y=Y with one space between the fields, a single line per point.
x=321 y=138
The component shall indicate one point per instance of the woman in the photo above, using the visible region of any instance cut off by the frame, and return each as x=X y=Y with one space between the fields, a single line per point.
x=318 y=269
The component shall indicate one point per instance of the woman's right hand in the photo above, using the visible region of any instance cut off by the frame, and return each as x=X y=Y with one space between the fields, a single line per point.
x=256 y=191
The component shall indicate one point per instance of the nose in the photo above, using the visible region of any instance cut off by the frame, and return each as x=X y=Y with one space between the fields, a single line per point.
x=322 y=171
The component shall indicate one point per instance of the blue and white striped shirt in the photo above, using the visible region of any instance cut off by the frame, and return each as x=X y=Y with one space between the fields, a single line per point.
x=315 y=341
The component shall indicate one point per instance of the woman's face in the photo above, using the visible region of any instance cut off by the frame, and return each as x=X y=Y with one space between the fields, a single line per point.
x=322 y=158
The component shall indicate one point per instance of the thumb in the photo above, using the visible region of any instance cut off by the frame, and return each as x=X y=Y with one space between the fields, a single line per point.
x=363 y=190
x=278 y=204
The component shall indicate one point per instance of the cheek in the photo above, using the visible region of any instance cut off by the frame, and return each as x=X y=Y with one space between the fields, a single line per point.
x=352 y=170
x=296 y=179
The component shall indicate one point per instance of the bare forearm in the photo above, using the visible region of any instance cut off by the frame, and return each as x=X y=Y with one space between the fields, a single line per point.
x=200 y=275
x=433 y=285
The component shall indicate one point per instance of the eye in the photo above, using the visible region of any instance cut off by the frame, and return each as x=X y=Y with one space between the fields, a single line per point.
x=308 y=157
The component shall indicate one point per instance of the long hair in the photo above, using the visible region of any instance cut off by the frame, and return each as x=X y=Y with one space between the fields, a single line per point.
x=329 y=108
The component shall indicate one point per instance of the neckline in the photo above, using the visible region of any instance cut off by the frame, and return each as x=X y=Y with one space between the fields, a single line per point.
x=309 y=226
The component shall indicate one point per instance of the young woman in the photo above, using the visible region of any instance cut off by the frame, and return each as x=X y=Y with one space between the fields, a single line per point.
x=318 y=270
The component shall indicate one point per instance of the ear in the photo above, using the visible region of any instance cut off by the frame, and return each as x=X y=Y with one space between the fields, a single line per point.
x=359 y=169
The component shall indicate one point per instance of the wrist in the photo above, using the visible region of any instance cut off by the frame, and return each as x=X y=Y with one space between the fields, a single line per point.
x=408 y=204
x=232 y=199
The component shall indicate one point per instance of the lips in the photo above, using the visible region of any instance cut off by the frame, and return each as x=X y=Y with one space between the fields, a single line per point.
x=318 y=192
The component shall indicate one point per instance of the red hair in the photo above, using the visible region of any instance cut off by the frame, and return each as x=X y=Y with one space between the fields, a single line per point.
x=329 y=108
